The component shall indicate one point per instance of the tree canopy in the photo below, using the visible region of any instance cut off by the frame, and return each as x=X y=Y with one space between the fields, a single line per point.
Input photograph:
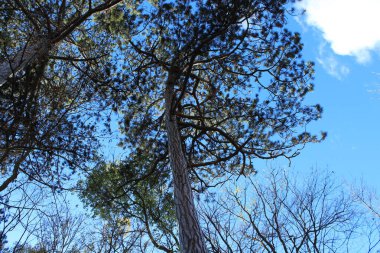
x=204 y=89
x=52 y=88
x=210 y=87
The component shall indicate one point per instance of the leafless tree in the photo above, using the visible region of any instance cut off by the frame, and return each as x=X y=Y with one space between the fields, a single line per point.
x=19 y=208
x=278 y=213
x=60 y=229
x=369 y=201
x=50 y=222
x=273 y=212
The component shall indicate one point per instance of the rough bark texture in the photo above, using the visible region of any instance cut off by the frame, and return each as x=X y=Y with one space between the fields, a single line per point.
x=190 y=233
x=34 y=49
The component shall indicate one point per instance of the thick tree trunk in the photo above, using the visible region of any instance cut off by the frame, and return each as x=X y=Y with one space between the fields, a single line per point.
x=190 y=233
x=33 y=50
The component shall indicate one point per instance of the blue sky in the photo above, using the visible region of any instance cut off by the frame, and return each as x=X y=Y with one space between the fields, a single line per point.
x=343 y=38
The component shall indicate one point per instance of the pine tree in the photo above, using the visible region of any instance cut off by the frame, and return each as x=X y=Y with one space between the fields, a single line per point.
x=53 y=73
x=30 y=30
x=219 y=84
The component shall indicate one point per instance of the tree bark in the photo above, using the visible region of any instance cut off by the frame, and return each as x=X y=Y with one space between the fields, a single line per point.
x=34 y=49
x=190 y=233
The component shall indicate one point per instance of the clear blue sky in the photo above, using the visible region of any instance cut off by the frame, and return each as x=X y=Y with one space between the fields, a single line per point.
x=343 y=39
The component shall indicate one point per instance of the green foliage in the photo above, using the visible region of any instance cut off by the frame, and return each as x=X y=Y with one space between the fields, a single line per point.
x=51 y=108
x=137 y=193
x=239 y=84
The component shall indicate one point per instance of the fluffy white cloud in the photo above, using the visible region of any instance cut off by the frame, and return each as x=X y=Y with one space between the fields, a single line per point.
x=351 y=26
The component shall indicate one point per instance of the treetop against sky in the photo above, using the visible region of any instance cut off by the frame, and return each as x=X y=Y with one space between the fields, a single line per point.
x=186 y=108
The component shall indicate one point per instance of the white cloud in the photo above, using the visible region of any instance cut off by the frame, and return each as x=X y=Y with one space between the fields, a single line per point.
x=331 y=64
x=351 y=26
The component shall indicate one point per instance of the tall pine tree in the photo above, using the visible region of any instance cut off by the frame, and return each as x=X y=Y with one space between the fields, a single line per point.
x=212 y=86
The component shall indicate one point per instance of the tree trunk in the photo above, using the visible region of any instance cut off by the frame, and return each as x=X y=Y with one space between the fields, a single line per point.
x=34 y=49
x=190 y=233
